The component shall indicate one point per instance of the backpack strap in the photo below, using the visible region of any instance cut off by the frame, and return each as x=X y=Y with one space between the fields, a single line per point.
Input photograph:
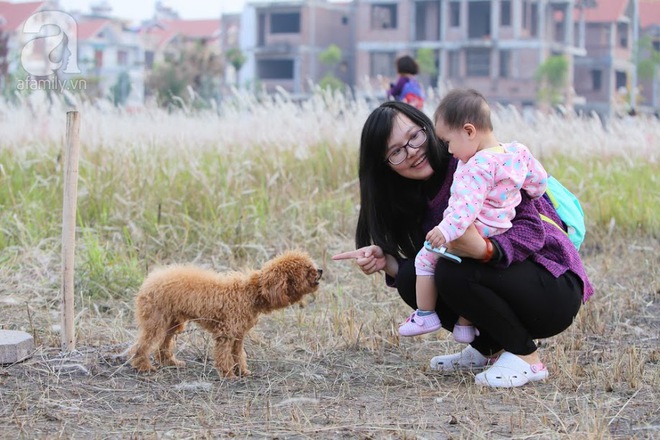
x=545 y=218
x=553 y=199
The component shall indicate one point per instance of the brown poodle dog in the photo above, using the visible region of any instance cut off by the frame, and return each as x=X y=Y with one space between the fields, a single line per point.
x=227 y=305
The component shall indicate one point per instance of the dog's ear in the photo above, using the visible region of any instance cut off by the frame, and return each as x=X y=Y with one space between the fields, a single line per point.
x=274 y=286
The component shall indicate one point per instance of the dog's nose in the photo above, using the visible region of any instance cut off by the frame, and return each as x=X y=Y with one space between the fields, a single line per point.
x=320 y=272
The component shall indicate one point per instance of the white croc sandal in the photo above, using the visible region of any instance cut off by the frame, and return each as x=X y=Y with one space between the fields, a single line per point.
x=468 y=359
x=511 y=371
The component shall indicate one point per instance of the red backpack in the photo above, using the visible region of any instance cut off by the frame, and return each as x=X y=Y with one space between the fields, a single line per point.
x=412 y=93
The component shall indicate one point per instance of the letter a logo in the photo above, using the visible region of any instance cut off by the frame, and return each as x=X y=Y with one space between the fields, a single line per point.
x=54 y=47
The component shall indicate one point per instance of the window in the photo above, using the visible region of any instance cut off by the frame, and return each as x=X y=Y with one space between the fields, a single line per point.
x=285 y=23
x=98 y=58
x=454 y=14
x=534 y=25
x=454 y=67
x=596 y=80
x=275 y=69
x=122 y=58
x=383 y=16
x=478 y=62
x=427 y=18
x=559 y=30
x=622 y=30
x=382 y=63
x=478 y=19
x=344 y=20
x=149 y=59
x=261 y=30
x=505 y=13
x=170 y=55
x=505 y=63
x=621 y=80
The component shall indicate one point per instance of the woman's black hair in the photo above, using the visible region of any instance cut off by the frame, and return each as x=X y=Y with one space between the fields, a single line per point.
x=392 y=207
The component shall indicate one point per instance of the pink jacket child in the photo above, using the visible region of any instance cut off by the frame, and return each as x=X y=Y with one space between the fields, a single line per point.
x=486 y=190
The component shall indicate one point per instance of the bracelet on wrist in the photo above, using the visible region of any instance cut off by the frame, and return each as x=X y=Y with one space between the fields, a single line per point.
x=489 y=251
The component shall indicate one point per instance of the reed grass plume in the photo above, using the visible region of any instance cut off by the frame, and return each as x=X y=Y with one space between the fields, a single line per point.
x=280 y=122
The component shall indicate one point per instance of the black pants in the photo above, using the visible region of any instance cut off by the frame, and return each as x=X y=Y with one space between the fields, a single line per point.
x=511 y=307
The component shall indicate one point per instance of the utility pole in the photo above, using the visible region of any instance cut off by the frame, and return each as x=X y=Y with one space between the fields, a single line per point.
x=581 y=26
x=313 y=53
x=635 y=57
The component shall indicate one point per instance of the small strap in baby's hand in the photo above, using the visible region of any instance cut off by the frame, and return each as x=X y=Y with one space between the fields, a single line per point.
x=443 y=252
x=437 y=250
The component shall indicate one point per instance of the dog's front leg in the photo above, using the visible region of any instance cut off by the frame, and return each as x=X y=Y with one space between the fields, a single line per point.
x=224 y=360
x=240 y=359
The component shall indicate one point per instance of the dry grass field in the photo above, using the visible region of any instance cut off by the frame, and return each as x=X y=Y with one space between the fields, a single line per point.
x=230 y=190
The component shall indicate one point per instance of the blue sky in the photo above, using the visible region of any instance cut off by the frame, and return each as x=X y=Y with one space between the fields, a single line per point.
x=140 y=10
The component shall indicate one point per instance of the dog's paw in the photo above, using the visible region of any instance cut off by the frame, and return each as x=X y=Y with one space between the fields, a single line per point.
x=173 y=363
x=144 y=368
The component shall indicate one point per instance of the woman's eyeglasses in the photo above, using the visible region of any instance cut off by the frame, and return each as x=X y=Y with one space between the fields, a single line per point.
x=398 y=155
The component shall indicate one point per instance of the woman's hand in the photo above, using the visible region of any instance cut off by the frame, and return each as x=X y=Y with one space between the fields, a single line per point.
x=471 y=245
x=370 y=259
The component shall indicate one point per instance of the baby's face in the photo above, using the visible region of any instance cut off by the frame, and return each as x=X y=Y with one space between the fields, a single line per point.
x=462 y=142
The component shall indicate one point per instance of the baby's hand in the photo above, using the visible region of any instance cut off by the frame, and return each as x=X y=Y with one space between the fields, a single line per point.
x=435 y=237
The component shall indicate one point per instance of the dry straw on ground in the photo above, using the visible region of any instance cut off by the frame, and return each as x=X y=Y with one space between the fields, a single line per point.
x=334 y=367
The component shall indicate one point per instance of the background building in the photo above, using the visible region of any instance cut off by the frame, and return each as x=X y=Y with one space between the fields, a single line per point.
x=493 y=46
x=284 y=39
x=496 y=46
x=649 y=72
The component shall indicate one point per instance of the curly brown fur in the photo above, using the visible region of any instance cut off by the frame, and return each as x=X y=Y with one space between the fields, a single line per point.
x=225 y=304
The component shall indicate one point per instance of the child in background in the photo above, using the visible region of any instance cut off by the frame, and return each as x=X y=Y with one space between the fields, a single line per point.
x=407 y=89
x=485 y=192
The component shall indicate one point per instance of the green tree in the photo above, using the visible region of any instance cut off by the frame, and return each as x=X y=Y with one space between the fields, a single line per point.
x=651 y=58
x=188 y=67
x=167 y=83
x=236 y=58
x=121 y=90
x=331 y=57
x=426 y=61
x=329 y=81
x=551 y=77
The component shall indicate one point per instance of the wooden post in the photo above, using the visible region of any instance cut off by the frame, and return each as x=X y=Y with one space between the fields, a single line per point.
x=71 y=155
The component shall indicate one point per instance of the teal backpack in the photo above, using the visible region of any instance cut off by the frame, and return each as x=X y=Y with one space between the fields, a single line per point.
x=569 y=210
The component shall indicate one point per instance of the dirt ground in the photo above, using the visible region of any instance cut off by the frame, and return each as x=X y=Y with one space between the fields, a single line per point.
x=335 y=368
